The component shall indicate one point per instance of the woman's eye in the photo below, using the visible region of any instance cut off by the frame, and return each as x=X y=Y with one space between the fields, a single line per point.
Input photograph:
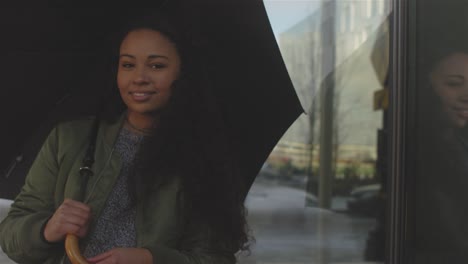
x=454 y=83
x=157 y=66
x=127 y=65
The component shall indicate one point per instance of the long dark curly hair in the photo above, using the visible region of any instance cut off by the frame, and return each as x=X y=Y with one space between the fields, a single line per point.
x=190 y=143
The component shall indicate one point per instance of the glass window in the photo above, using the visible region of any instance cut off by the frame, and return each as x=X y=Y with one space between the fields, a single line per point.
x=437 y=127
x=320 y=196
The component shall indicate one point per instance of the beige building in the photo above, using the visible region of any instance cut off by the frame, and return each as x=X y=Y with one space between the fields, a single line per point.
x=309 y=60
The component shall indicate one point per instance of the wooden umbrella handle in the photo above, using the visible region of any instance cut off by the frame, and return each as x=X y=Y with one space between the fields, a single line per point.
x=73 y=250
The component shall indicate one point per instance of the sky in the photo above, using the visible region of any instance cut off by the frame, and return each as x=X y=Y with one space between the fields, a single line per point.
x=283 y=14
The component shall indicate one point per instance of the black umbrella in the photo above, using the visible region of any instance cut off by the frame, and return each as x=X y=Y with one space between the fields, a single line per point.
x=53 y=57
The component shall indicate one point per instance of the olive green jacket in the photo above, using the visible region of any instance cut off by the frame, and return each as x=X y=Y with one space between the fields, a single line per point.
x=55 y=176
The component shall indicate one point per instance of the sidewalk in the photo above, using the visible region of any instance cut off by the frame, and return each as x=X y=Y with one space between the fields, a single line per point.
x=288 y=232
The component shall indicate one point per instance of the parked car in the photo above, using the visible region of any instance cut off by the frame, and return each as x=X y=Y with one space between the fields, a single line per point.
x=365 y=200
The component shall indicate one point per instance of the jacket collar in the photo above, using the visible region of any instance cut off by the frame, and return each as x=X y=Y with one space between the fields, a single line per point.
x=111 y=130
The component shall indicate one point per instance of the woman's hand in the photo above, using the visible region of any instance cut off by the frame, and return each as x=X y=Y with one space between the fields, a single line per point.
x=123 y=256
x=71 y=217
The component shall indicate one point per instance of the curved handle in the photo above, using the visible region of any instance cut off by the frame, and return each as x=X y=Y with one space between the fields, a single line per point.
x=73 y=250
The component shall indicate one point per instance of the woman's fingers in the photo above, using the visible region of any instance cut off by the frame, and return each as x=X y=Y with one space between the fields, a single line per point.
x=101 y=257
x=74 y=213
x=71 y=217
x=73 y=207
x=83 y=230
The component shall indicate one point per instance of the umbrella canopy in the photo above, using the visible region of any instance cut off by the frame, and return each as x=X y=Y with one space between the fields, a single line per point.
x=53 y=63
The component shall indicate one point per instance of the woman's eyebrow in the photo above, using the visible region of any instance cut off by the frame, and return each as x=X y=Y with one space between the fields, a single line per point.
x=155 y=56
x=459 y=76
x=126 y=55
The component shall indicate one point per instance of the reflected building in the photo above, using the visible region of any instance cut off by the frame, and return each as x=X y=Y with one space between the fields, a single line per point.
x=306 y=58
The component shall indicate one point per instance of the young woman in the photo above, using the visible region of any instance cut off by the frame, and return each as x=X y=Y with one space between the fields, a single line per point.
x=164 y=189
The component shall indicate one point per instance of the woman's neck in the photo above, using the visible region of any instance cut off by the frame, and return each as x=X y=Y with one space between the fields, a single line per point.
x=140 y=124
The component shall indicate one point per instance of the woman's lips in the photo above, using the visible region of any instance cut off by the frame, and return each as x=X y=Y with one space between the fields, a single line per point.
x=460 y=112
x=463 y=113
x=141 y=96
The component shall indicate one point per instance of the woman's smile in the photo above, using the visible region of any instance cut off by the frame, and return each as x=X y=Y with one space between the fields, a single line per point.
x=462 y=113
x=142 y=96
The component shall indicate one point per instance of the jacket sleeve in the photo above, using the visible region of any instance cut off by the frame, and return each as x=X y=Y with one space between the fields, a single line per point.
x=21 y=235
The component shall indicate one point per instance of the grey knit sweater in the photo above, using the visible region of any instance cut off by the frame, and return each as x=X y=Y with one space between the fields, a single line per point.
x=116 y=225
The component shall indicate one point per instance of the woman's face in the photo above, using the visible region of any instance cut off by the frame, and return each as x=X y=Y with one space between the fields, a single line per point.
x=148 y=65
x=450 y=82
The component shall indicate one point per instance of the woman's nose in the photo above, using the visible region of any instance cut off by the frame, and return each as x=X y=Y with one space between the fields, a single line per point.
x=463 y=95
x=141 y=77
x=463 y=98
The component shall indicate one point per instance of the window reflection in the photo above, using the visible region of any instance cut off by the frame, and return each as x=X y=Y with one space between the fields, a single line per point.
x=439 y=153
x=319 y=196
x=441 y=232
